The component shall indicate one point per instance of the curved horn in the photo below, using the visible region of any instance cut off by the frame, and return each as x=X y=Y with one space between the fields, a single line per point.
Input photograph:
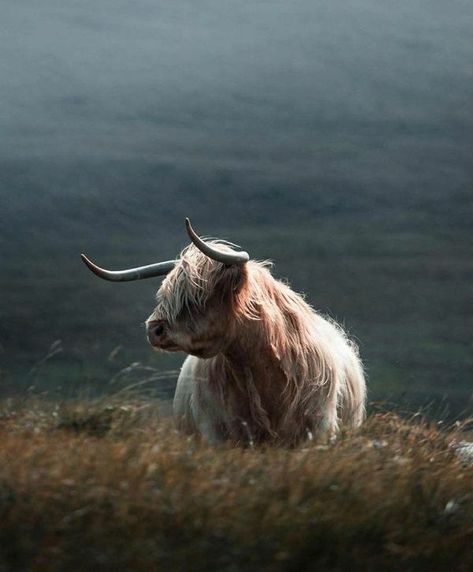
x=228 y=258
x=158 y=269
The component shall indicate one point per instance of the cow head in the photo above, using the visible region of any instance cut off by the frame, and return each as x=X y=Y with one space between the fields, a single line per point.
x=196 y=300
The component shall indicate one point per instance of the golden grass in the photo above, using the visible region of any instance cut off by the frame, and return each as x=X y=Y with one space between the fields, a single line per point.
x=112 y=486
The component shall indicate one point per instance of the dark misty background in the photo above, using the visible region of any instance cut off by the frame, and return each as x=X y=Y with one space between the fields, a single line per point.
x=332 y=137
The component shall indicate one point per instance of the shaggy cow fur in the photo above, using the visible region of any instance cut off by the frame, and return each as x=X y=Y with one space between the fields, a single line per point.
x=263 y=365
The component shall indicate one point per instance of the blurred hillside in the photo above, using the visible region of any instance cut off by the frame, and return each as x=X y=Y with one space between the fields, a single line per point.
x=334 y=139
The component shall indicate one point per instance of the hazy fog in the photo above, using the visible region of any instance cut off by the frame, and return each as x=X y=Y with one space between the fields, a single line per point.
x=233 y=80
x=343 y=130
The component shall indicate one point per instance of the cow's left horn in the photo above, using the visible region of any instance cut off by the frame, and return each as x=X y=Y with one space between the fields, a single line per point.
x=158 y=269
x=228 y=258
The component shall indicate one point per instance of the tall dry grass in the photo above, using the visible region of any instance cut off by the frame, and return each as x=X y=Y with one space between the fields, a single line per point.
x=111 y=485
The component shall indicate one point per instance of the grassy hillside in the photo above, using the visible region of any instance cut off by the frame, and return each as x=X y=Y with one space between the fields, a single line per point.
x=399 y=279
x=332 y=137
x=110 y=485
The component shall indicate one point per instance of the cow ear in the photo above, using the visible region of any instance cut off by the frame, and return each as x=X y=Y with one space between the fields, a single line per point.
x=232 y=280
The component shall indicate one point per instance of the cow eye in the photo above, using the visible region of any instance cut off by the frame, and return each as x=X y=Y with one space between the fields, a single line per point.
x=188 y=319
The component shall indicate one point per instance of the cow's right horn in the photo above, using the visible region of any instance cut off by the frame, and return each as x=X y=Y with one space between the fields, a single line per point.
x=140 y=273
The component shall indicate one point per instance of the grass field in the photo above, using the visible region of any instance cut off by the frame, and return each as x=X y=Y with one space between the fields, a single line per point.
x=110 y=485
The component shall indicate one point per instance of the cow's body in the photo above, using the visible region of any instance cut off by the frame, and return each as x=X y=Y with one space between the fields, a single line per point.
x=263 y=364
x=247 y=393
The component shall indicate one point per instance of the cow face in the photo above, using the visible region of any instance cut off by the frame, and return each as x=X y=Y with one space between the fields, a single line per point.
x=195 y=306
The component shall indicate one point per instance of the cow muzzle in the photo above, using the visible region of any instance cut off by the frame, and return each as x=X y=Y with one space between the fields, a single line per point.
x=157 y=332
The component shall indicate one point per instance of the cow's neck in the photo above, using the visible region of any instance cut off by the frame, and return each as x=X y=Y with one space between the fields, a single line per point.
x=250 y=365
x=248 y=352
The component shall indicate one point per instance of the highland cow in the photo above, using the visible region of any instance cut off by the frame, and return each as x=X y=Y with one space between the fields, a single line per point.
x=263 y=366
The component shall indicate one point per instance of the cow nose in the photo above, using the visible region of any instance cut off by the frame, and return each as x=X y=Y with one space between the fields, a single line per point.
x=155 y=330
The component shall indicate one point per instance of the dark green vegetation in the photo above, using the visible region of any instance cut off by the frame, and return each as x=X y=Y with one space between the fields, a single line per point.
x=110 y=485
x=399 y=278
x=334 y=138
